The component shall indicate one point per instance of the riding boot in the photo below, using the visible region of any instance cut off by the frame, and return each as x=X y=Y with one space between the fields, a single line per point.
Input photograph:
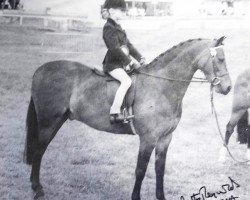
x=116 y=118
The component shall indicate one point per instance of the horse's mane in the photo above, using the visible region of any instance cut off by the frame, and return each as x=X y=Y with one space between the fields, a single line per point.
x=171 y=53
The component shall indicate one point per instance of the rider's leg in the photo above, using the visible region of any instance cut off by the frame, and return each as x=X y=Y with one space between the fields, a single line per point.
x=126 y=82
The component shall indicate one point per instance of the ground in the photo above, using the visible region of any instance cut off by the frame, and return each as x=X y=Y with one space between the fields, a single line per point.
x=78 y=163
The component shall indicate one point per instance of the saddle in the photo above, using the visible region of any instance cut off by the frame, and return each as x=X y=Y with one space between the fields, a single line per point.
x=112 y=86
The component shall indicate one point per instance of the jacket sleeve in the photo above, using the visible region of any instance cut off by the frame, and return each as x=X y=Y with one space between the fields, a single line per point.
x=112 y=42
x=133 y=51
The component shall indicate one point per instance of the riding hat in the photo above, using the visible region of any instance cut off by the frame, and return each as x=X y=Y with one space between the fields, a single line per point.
x=116 y=4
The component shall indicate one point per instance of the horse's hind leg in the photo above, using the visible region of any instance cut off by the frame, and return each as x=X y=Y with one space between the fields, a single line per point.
x=47 y=131
x=248 y=145
x=160 y=160
x=235 y=117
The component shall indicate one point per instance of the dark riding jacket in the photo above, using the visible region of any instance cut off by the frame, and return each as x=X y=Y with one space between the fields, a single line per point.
x=115 y=37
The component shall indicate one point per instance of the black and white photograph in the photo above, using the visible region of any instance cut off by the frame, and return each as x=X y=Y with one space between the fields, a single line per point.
x=124 y=99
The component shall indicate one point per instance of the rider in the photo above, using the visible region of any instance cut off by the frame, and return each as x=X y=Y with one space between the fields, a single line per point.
x=118 y=55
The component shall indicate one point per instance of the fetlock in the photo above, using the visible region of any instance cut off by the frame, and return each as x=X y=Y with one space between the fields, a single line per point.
x=36 y=186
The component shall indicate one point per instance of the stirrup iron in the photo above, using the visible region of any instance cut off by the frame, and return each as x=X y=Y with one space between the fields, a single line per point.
x=126 y=116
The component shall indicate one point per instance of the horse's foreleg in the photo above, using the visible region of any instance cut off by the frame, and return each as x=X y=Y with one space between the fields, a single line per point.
x=146 y=147
x=160 y=160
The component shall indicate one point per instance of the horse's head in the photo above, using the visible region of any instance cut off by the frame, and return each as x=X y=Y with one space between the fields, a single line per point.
x=212 y=63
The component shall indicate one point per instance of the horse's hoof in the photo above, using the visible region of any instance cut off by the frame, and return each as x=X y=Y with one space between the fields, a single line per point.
x=135 y=198
x=160 y=197
x=39 y=195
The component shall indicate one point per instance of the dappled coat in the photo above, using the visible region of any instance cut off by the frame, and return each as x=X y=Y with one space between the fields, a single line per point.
x=115 y=37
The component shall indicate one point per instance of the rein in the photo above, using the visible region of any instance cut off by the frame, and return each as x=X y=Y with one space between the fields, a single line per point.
x=219 y=129
x=199 y=80
x=215 y=81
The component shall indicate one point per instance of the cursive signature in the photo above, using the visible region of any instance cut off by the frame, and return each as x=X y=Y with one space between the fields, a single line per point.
x=203 y=194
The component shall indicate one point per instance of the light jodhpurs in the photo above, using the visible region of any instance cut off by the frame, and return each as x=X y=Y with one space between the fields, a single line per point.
x=126 y=82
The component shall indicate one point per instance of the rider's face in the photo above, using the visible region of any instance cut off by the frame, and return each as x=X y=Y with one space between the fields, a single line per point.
x=117 y=14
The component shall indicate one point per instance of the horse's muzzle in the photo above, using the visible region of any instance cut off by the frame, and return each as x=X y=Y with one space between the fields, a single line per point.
x=226 y=91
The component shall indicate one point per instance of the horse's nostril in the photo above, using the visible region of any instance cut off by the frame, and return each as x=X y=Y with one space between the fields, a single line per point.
x=229 y=88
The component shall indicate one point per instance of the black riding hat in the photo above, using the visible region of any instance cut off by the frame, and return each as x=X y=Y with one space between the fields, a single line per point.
x=117 y=4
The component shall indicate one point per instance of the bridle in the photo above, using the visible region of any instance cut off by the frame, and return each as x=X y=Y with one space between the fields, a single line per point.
x=217 y=77
x=216 y=80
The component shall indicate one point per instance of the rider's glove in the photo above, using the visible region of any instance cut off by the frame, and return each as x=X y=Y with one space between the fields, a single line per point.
x=131 y=67
x=142 y=61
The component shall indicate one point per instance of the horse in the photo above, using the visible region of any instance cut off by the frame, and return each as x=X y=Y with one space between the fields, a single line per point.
x=239 y=113
x=243 y=130
x=64 y=90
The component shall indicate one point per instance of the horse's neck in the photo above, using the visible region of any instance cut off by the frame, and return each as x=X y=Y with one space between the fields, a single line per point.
x=182 y=67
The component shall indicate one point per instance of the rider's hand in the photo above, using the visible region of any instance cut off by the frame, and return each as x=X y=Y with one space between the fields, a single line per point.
x=142 y=61
x=135 y=65
x=128 y=67
x=131 y=67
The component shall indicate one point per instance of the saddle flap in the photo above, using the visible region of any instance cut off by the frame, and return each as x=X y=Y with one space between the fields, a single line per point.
x=99 y=72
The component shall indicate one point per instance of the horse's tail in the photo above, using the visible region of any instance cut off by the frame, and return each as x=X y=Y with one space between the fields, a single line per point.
x=31 y=133
x=242 y=128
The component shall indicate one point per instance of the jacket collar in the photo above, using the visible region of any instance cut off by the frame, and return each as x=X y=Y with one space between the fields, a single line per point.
x=113 y=23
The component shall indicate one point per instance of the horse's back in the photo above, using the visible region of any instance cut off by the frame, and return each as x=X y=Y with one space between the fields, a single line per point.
x=53 y=83
x=242 y=84
x=60 y=67
x=243 y=78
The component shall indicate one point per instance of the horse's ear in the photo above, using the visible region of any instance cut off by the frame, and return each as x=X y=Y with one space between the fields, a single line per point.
x=220 y=41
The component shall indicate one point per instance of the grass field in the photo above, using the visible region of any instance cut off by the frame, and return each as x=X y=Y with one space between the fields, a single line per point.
x=82 y=163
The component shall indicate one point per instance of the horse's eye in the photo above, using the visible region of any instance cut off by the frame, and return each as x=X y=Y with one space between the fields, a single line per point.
x=221 y=60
